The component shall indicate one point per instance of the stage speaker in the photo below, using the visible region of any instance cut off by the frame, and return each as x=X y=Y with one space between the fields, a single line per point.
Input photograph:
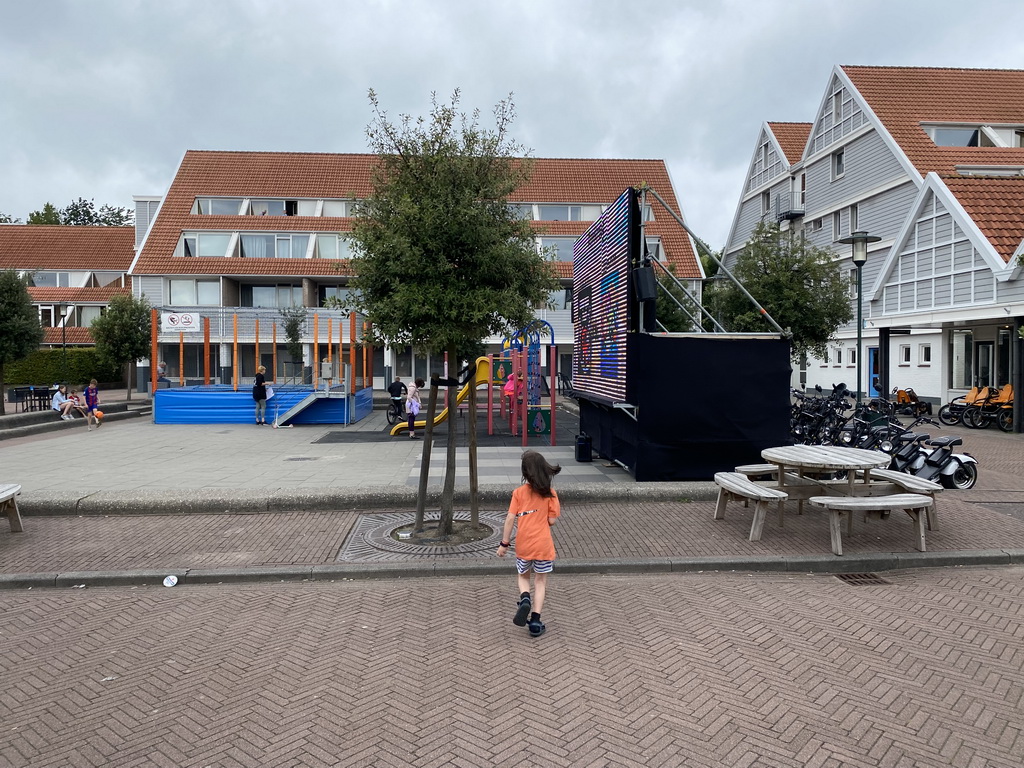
x=644 y=283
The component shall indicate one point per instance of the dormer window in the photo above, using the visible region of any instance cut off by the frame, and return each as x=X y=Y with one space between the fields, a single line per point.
x=961 y=135
x=218 y=206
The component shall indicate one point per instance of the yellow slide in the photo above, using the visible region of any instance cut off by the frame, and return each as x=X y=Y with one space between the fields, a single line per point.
x=483 y=375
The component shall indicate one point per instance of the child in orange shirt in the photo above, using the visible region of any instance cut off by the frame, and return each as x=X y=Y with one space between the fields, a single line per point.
x=534 y=509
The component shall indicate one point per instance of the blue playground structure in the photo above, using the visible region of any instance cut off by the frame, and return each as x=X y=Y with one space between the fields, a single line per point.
x=222 y=404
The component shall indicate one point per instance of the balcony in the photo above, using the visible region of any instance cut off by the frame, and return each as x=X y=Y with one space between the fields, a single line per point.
x=787 y=206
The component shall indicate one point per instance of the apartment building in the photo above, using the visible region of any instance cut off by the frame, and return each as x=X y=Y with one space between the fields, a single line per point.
x=930 y=161
x=240 y=235
x=73 y=273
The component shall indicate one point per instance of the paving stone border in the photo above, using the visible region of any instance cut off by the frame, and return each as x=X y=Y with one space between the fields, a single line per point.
x=371 y=539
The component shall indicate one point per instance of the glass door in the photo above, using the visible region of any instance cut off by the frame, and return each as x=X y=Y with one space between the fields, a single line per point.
x=984 y=372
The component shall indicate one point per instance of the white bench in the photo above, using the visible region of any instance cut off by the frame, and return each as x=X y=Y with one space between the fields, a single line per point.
x=913 y=484
x=734 y=485
x=915 y=505
x=9 y=505
x=759 y=470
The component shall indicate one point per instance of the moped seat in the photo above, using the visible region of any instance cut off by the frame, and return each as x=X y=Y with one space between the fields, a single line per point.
x=946 y=440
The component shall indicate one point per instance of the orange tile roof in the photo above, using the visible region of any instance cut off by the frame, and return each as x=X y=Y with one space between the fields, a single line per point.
x=792 y=137
x=69 y=335
x=317 y=175
x=996 y=204
x=26 y=246
x=905 y=97
x=77 y=295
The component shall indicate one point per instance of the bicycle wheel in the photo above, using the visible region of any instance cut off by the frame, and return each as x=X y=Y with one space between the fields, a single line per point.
x=393 y=415
x=971 y=417
x=1005 y=419
x=948 y=416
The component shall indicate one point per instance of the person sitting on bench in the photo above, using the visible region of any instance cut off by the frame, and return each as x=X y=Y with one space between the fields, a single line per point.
x=62 y=404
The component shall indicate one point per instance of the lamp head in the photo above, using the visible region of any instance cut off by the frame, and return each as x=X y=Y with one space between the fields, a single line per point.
x=860 y=240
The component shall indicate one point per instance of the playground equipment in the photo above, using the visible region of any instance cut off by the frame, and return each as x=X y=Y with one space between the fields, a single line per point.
x=481 y=377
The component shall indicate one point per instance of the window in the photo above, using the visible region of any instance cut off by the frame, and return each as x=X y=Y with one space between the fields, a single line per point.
x=924 y=354
x=558 y=248
x=292 y=246
x=852 y=281
x=256 y=246
x=46 y=317
x=854 y=218
x=207 y=244
x=334 y=293
x=838 y=357
x=817 y=224
x=85 y=315
x=283 y=295
x=522 y=210
x=332 y=247
x=654 y=249
x=837 y=226
x=766 y=202
x=569 y=212
x=560 y=299
x=803 y=189
x=851 y=357
x=338 y=208
x=202 y=293
x=824 y=360
x=100 y=279
x=764 y=156
x=50 y=280
x=838 y=164
x=837 y=107
x=218 y=206
x=904 y=358
x=267 y=207
x=956 y=137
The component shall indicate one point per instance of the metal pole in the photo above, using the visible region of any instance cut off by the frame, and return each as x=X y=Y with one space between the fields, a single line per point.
x=860 y=326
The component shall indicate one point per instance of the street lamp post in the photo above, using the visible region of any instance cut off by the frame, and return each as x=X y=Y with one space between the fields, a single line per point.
x=859 y=240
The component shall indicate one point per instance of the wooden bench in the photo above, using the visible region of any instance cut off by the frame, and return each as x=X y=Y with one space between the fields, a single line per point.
x=915 y=505
x=9 y=505
x=913 y=484
x=734 y=485
x=759 y=470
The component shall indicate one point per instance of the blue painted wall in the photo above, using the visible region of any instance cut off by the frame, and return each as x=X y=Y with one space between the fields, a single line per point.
x=222 y=405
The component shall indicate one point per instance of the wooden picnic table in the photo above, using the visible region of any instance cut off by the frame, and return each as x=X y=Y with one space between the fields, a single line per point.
x=800 y=468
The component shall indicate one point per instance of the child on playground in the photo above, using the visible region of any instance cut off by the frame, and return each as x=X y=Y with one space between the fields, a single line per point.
x=534 y=509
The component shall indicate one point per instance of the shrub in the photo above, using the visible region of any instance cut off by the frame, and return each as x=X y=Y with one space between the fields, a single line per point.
x=46 y=366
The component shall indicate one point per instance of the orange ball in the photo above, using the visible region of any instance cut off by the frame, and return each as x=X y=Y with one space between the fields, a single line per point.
x=98 y=414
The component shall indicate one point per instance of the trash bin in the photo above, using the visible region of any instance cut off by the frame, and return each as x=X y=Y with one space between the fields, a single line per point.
x=584 y=448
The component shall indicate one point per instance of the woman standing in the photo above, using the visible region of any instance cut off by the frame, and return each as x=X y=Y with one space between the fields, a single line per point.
x=259 y=394
x=412 y=404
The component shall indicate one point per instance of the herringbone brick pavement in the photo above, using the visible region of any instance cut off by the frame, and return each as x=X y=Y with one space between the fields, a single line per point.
x=758 y=671
x=600 y=530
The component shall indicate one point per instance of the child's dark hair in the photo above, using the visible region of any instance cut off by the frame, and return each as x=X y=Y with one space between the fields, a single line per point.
x=538 y=473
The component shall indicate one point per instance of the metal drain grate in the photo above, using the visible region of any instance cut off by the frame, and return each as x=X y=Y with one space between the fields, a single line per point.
x=861 y=579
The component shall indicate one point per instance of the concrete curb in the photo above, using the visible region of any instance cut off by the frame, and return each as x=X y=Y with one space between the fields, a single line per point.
x=825 y=564
x=236 y=502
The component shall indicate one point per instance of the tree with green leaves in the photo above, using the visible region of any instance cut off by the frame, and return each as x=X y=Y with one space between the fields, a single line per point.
x=122 y=334
x=441 y=261
x=8 y=219
x=20 y=332
x=83 y=213
x=293 y=320
x=48 y=215
x=798 y=284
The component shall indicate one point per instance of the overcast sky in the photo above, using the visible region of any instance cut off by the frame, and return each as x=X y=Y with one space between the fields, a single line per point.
x=100 y=99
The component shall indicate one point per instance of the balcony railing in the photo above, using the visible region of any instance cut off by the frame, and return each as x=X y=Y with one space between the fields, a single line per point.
x=788 y=205
x=222 y=324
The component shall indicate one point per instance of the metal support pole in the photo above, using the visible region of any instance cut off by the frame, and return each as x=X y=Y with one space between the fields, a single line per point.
x=860 y=327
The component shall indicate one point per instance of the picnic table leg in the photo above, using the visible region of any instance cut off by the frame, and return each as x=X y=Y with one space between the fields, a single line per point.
x=918 y=516
x=932 y=515
x=760 y=508
x=723 y=498
x=13 y=515
x=782 y=512
x=836 y=527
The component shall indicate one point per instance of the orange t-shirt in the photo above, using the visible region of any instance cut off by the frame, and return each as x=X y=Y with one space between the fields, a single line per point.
x=533 y=532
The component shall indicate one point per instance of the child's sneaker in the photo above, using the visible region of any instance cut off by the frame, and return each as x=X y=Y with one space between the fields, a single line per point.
x=536 y=626
x=523 y=611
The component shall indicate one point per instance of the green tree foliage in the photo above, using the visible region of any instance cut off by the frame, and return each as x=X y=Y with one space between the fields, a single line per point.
x=20 y=332
x=798 y=284
x=83 y=213
x=48 y=215
x=293 y=320
x=441 y=261
x=122 y=334
x=8 y=219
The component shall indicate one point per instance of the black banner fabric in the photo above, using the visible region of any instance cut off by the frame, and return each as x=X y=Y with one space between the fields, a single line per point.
x=704 y=404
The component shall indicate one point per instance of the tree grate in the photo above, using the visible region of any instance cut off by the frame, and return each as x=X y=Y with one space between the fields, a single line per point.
x=862 y=579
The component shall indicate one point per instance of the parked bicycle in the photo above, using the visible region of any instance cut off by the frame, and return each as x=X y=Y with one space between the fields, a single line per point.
x=395 y=412
x=952 y=412
x=995 y=409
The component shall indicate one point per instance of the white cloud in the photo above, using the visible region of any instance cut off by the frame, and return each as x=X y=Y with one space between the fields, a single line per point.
x=102 y=99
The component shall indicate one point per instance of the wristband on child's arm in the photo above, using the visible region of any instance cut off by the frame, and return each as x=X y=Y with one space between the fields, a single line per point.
x=504 y=544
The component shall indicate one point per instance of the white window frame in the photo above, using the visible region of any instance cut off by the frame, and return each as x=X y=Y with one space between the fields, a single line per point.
x=854 y=218
x=837 y=358
x=838 y=162
x=924 y=355
x=903 y=360
x=851 y=357
x=766 y=201
x=837 y=226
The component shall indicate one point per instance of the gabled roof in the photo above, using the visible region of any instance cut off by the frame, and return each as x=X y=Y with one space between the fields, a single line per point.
x=996 y=204
x=905 y=97
x=792 y=138
x=319 y=175
x=28 y=246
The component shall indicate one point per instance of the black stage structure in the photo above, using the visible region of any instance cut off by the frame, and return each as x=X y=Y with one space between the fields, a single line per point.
x=666 y=406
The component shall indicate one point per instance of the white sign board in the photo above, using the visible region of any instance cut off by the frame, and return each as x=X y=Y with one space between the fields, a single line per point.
x=186 y=322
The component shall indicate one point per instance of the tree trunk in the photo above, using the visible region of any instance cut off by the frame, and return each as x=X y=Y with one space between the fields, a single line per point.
x=474 y=480
x=444 y=527
x=428 y=438
x=3 y=391
x=130 y=365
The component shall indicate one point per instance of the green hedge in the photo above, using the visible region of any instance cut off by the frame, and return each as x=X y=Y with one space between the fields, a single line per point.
x=46 y=366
